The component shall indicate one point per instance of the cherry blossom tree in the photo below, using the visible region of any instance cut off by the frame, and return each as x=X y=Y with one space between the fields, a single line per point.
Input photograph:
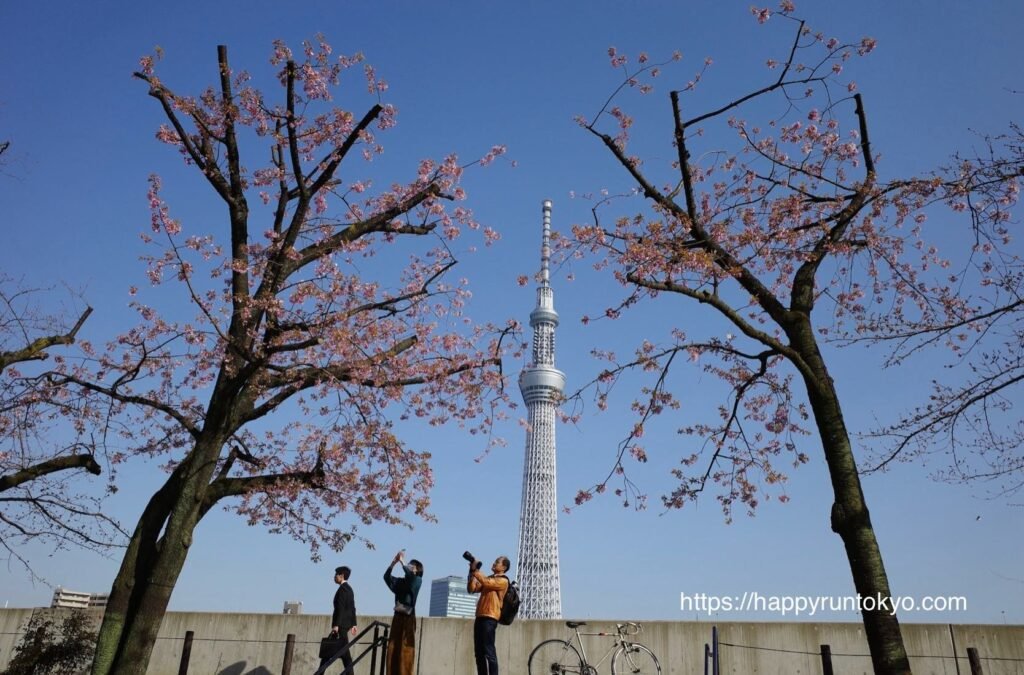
x=762 y=225
x=40 y=459
x=313 y=338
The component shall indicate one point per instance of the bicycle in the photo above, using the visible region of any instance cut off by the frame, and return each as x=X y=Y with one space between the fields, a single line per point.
x=560 y=657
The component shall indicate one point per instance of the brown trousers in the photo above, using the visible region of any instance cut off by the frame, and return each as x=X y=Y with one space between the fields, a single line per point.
x=402 y=645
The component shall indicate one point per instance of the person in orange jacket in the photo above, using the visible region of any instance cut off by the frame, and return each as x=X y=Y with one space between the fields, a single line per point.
x=492 y=591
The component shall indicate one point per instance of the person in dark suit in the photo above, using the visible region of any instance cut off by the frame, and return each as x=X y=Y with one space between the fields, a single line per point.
x=343 y=620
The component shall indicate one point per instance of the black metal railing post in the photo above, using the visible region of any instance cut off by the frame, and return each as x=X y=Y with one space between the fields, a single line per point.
x=826 y=660
x=975 y=661
x=186 y=652
x=715 y=665
x=373 y=656
x=289 y=653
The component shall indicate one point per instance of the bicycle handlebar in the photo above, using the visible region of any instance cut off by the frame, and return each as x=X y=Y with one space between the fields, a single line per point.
x=628 y=628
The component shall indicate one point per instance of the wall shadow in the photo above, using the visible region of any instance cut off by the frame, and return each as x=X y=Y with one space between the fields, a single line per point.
x=238 y=668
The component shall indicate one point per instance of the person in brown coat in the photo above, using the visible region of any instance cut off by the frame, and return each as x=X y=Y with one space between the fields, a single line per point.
x=402 y=641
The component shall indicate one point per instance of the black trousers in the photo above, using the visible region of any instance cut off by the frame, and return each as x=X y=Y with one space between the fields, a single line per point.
x=346 y=657
x=483 y=645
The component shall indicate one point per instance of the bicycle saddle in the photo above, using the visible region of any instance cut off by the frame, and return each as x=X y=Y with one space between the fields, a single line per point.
x=575 y=624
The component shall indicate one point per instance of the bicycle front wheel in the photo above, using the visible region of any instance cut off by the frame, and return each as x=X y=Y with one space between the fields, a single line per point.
x=632 y=659
x=555 y=657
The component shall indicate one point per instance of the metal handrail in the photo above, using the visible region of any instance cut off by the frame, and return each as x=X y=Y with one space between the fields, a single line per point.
x=378 y=640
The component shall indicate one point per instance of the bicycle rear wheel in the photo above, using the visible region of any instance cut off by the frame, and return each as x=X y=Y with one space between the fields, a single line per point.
x=633 y=659
x=555 y=657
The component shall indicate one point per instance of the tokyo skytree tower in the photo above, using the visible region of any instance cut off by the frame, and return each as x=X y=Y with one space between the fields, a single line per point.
x=541 y=385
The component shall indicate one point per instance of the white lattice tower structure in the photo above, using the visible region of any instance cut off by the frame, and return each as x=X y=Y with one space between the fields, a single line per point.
x=541 y=385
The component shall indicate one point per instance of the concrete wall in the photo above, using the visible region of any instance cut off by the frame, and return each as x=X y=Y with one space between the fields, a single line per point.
x=253 y=644
x=12 y=624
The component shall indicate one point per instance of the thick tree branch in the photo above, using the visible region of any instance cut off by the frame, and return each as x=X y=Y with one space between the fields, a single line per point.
x=224 y=487
x=238 y=209
x=281 y=265
x=802 y=296
x=723 y=259
x=133 y=399
x=388 y=305
x=84 y=461
x=303 y=378
x=169 y=100
x=335 y=158
x=301 y=189
x=727 y=310
x=342 y=372
x=377 y=223
x=238 y=451
x=36 y=350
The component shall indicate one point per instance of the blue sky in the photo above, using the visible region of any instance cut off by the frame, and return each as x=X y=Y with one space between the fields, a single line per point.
x=465 y=76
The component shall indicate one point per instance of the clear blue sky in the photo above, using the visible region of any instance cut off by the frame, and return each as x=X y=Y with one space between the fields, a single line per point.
x=464 y=76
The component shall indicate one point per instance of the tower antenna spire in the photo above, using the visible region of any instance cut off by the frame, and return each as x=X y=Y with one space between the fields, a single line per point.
x=545 y=247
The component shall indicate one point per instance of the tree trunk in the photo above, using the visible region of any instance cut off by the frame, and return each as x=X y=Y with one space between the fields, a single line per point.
x=150 y=570
x=850 y=517
x=134 y=567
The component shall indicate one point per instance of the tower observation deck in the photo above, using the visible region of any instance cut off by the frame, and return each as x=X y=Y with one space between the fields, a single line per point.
x=541 y=385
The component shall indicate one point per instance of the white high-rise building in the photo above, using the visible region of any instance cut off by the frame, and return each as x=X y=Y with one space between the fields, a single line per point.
x=448 y=597
x=541 y=385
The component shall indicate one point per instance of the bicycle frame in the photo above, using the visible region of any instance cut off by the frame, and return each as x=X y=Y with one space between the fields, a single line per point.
x=618 y=639
x=561 y=656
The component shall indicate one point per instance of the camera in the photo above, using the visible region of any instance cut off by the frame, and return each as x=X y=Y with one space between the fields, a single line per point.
x=472 y=560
